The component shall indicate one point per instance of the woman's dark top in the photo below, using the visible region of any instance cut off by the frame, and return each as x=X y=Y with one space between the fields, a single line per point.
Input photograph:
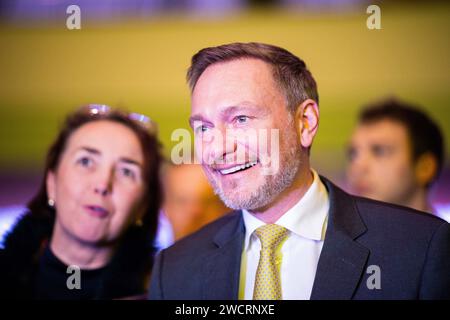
x=29 y=270
x=54 y=280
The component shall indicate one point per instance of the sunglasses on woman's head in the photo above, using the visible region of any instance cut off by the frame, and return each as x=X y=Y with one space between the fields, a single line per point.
x=103 y=109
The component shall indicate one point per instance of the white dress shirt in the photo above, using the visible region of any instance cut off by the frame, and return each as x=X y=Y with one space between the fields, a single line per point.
x=299 y=253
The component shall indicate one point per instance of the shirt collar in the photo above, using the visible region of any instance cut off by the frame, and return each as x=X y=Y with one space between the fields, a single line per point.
x=307 y=218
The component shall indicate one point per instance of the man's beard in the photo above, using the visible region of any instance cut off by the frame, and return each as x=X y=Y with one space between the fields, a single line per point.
x=272 y=185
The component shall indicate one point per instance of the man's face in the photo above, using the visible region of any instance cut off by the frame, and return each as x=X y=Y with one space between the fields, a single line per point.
x=242 y=95
x=380 y=162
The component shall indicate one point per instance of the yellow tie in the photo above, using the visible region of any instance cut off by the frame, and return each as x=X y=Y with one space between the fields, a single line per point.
x=267 y=281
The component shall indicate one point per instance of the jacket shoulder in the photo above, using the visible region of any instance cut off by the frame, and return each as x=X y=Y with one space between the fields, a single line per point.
x=178 y=268
x=390 y=215
x=203 y=239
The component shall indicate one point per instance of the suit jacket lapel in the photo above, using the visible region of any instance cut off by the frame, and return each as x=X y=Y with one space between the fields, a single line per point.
x=342 y=261
x=341 y=264
x=223 y=264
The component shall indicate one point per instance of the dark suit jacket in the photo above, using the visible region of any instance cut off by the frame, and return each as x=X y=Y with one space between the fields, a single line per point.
x=411 y=248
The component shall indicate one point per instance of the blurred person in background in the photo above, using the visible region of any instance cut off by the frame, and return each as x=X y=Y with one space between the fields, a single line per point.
x=97 y=209
x=395 y=154
x=189 y=200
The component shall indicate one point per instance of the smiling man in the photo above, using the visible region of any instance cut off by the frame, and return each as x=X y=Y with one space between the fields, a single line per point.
x=293 y=234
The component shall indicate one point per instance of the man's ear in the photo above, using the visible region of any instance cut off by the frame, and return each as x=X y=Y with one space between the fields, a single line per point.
x=425 y=169
x=50 y=181
x=307 y=120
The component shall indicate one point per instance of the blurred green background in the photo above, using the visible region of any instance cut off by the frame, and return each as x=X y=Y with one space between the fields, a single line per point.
x=48 y=70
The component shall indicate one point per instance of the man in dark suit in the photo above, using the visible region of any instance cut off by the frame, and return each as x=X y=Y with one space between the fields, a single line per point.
x=293 y=234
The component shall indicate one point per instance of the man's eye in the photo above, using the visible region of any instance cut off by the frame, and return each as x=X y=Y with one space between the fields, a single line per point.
x=242 y=119
x=351 y=154
x=380 y=151
x=201 y=129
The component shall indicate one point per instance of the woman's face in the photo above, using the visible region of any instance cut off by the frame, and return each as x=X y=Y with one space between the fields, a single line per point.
x=98 y=187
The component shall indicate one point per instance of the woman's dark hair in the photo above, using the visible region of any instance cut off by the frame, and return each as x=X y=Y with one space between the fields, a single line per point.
x=38 y=205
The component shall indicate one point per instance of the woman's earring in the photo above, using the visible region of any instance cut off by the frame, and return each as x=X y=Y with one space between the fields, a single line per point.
x=139 y=222
x=51 y=202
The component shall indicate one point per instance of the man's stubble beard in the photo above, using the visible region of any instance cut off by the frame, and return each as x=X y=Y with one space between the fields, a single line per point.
x=272 y=186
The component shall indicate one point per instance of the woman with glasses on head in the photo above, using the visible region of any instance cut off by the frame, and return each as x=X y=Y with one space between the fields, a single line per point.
x=90 y=228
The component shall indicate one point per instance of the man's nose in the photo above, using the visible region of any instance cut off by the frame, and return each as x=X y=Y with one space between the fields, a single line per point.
x=220 y=146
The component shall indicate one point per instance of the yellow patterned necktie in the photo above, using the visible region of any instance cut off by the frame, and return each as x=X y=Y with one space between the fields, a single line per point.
x=267 y=281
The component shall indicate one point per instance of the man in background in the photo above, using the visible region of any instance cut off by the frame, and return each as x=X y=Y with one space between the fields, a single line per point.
x=189 y=200
x=395 y=154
